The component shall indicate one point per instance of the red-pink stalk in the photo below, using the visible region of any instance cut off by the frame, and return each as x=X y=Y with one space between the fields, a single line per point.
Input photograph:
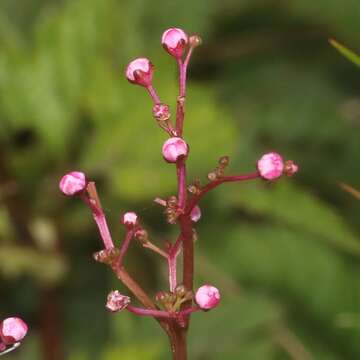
x=236 y=178
x=172 y=271
x=94 y=204
x=153 y=94
x=149 y=312
x=124 y=246
x=181 y=177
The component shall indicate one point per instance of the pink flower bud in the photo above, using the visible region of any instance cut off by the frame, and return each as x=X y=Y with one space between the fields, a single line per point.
x=174 y=41
x=173 y=148
x=2 y=346
x=129 y=219
x=270 y=166
x=73 y=183
x=140 y=71
x=290 y=168
x=161 y=112
x=117 y=302
x=195 y=214
x=12 y=330
x=207 y=297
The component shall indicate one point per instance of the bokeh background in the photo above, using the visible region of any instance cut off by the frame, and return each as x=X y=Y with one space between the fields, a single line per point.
x=285 y=255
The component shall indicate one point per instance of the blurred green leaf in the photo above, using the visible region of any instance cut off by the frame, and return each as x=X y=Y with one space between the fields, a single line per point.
x=350 y=55
x=288 y=203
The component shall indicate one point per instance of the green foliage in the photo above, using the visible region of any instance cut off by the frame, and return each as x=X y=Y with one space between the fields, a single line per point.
x=346 y=52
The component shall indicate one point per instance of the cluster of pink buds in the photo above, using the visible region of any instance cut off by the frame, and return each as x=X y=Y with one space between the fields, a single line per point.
x=171 y=307
x=12 y=332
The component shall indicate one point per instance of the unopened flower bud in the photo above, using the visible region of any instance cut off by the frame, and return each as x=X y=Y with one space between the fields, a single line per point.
x=73 y=183
x=174 y=41
x=193 y=189
x=290 y=168
x=180 y=291
x=2 y=347
x=12 y=330
x=106 y=256
x=140 y=72
x=172 y=201
x=224 y=161
x=195 y=214
x=212 y=176
x=174 y=148
x=195 y=41
x=129 y=219
x=162 y=297
x=116 y=301
x=161 y=112
x=207 y=297
x=270 y=166
x=142 y=235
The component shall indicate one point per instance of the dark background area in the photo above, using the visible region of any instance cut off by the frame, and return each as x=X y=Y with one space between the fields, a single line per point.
x=284 y=255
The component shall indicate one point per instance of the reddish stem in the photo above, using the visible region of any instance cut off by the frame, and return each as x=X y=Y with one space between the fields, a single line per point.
x=236 y=178
x=150 y=312
x=181 y=176
x=172 y=271
x=153 y=94
x=93 y=202
x=188 y=251
x=124 y=246
x=180 y=109
x=189 y=310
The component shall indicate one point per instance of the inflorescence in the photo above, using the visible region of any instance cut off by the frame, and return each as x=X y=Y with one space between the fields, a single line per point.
x=171 y=307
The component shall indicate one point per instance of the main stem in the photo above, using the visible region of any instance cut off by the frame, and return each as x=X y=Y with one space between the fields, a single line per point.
x=178 y=334
x=178 y=343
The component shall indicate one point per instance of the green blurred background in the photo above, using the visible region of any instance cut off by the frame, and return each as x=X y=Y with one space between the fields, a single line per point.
x=285 y=255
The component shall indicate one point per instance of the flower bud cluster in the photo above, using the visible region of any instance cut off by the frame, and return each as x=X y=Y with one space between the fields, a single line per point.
x=220 y=169
x=171 y=301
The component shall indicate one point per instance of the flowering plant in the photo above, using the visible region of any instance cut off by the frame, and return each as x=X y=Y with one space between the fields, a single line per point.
x=172 y=308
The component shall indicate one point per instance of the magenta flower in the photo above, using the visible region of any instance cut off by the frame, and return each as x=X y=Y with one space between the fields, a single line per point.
x=270 y=166
x=12 y=330
x=173 y=148
x=116 y=301
x=73 y=183
x=129 y=219
x=207 y=297
x=174 y=41
x=140 y=72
